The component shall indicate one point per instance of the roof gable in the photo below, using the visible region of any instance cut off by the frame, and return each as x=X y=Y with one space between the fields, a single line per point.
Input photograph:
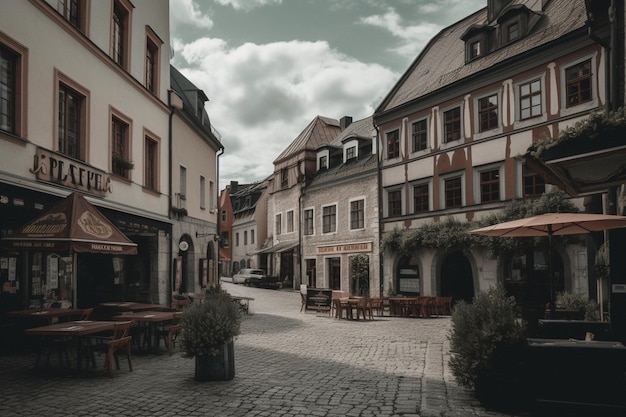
x=321 y=131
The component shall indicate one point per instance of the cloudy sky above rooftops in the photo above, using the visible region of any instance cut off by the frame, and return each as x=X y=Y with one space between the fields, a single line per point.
x=270 y=66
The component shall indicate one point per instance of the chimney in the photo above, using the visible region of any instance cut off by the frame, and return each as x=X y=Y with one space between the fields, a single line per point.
x=234 y=185
x=344 y=122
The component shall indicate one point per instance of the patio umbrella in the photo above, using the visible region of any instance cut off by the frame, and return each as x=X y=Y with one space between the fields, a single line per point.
x=553 y=224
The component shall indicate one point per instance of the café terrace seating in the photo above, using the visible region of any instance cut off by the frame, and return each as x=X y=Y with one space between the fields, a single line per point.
x=110 y=346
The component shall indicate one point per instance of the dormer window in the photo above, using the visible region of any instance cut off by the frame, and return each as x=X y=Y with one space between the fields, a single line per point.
x=512 y=32
x=350 y=153
x=474 y=50
x=323 y=162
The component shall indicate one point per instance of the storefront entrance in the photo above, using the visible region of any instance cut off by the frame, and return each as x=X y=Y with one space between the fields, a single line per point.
x=456 y=277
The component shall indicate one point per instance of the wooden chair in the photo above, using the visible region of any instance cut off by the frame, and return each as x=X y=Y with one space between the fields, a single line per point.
x=119 y=341
x=364 y=308
x=169 y=332
x=86 y=314
x=377 y=305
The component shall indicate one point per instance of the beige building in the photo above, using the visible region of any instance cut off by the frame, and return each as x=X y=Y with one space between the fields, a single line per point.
x=340 y=234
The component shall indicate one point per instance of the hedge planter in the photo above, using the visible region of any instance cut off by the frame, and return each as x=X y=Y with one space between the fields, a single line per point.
x=220 y=367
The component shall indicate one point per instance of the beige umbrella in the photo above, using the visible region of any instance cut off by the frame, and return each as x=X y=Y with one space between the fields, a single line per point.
x=553 y=224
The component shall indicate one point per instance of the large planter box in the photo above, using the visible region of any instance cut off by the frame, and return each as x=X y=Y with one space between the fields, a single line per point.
x=220 y=367
x=576 y=375
x=573 y=329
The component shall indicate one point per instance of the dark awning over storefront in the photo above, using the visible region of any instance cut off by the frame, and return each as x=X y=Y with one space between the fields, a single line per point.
x=279 y=247
x=71 y=224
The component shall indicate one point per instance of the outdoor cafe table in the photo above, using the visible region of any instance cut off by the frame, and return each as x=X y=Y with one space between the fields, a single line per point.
x=130 y=306
x=45 y=313
x=403 y=306
x=72 y=329
x=150 y=319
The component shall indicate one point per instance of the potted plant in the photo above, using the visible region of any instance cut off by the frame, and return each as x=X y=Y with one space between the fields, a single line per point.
x=208 y=328
x=487 y=345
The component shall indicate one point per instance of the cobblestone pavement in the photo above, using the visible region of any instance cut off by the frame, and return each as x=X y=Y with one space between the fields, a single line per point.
x=288 y=363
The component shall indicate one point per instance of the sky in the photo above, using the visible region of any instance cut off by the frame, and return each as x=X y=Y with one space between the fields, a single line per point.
x=269 y=67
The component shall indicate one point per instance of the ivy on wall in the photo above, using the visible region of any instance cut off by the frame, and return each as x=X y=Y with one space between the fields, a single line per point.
x=451 y=233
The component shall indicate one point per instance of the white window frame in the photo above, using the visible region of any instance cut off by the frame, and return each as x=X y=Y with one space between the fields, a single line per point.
x=320 y=155
x=589 y=105
x=360 y=198
x=304 y=219
x=484 y=168
x=441 y=132
x=336 y=218
x=491 y=132
x=429 y=183
x=290 y=228
x=386 y=192
x=350 y=144
x=442 y=189
x=519 y=123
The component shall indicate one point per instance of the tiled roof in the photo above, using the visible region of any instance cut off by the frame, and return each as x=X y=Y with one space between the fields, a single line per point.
x=442 y=62
x=363 y=128
x=321 y=131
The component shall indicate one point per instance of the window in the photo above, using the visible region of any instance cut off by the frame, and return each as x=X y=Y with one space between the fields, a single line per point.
x=252 y=237
x=121 y=164
x=224 y=215
x=489 y=186
x=284 y=178
x=512 y=32
x=578 y=83
x=290 y=221
x=153 y=44
x=120 y=32
x=420 y=198
x=10 y=95
x=474 y=50
x=323 y=162
x=308 y=222
x=329 y=219
x=394 y=202
x=532 y=183
x=350 y=153
x=452 y=125
x=357 y=214
x=237 y=239
x=202 y=192
x=530 y=99
x=487 y=113
x=453 y=192
x=419 y=135
x=224 y=240
x=279 y=219
x=151 y=164
x=245 y=237
x=212 y=206
x=70 y=122
x=393 y=144
x=183 y=182
x=74 y=12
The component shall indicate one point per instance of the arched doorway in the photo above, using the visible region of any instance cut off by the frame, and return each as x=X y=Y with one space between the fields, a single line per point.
x=456 y=277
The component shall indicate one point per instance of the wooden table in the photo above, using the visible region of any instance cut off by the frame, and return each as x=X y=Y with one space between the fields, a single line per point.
x=74 y=329
x=130 y=306
x=403 y=306
x=150 y=319
x=44 y=313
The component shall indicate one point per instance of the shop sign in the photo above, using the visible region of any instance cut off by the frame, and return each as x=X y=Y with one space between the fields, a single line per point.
x=56 y=168
x=345 y=248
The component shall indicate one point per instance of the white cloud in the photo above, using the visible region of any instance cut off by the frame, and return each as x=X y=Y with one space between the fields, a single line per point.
x=186 y=12
x=263 y=96
x=247 y=4
x=412 y=38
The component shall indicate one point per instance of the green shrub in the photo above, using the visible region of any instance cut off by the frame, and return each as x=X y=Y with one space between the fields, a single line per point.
x=569 y=301
x=208 y=324
x=490 y=322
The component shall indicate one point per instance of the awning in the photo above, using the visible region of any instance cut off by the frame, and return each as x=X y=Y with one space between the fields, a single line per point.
x=277 y=248
x=71 y=224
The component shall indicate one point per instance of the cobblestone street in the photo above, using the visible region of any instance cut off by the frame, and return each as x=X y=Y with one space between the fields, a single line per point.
x=288 y=363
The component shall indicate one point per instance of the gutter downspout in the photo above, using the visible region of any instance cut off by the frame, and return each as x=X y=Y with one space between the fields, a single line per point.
x=218 y=235
x=175 y=102
x=381 y=282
